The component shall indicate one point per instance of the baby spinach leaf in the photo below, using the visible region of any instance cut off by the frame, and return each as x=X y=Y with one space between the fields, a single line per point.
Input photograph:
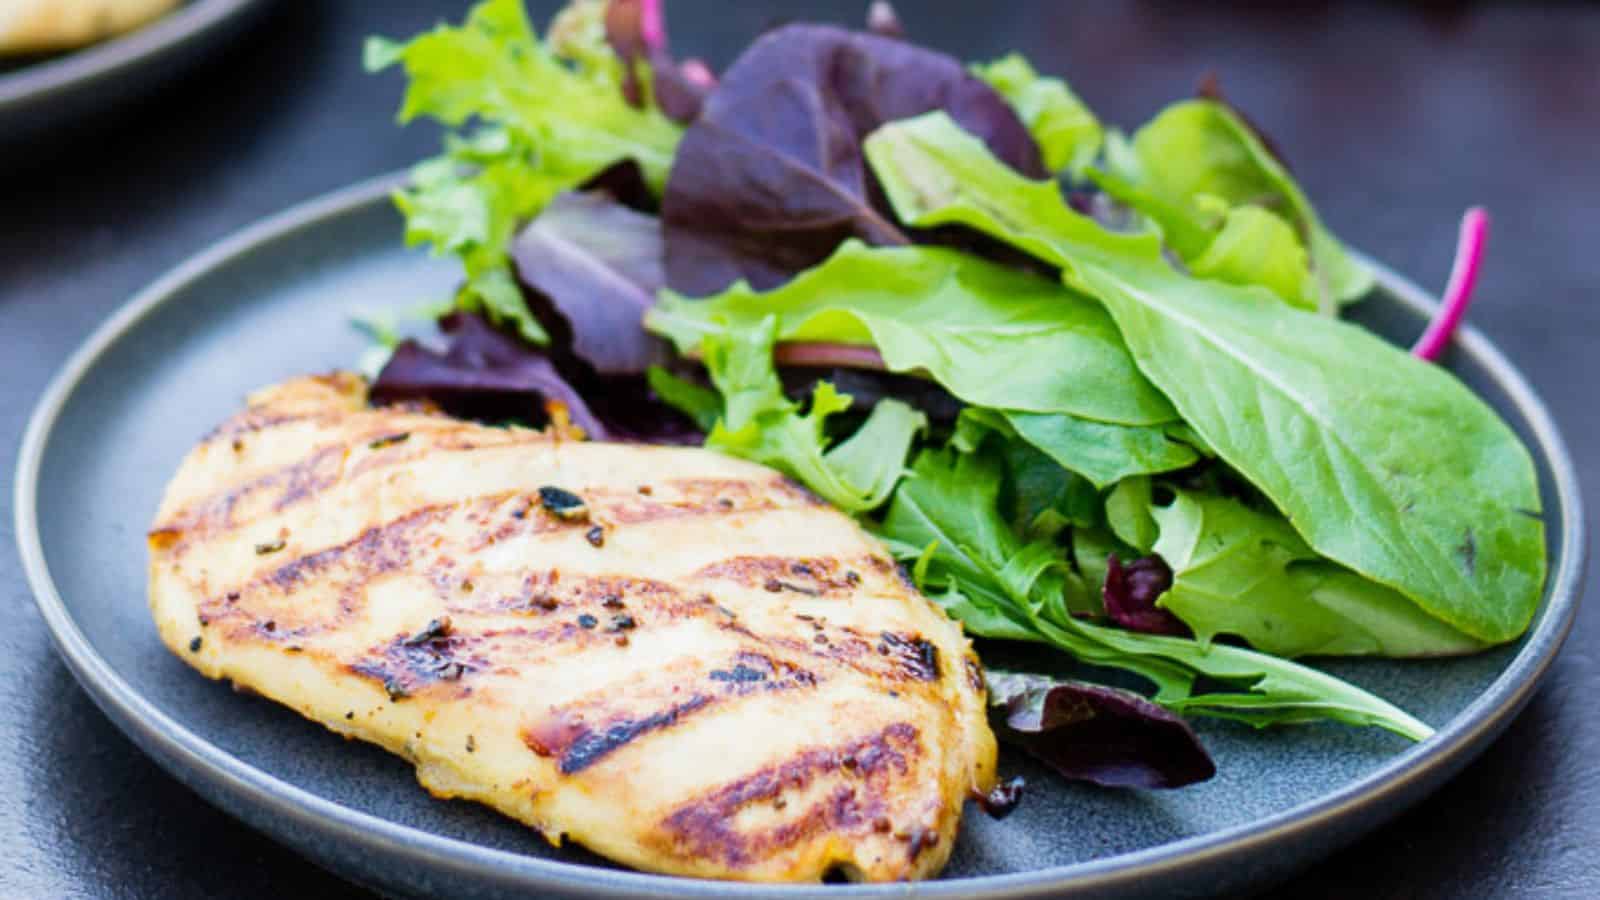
x=1255 y=246
x=1066 y=131
x=1245 y=572
x=1198 y=163
x=769 y=179
x=1102 y=452
x=990 y=335
x=1382 y=462
x=999 y=586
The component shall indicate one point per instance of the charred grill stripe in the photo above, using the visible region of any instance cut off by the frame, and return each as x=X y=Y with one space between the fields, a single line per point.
x=704 y=826
x=846 y=649
x=591 y=747
x=913 y=654
x=566 y=733
x=407 y=664
x=812 y=576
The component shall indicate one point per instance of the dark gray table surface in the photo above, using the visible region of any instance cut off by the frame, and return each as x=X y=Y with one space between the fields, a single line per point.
x=1395 y=120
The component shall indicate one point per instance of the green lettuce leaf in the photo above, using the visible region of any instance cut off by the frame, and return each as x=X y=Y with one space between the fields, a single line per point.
x=1001 y=586
x=990 y=335
x=760 y=424
x=1194 y=169
x=1382 y=462
x=1245 y=572
x=528 y=123
x=1066 y=131
x=702 y=405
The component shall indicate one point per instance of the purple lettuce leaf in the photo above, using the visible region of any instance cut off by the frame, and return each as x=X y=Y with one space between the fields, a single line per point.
x=624 y=181
x=1104 y=735
x=591 y=267
x=770 y=178
x=489 y=375
x=483 y=374
x=1130 y=593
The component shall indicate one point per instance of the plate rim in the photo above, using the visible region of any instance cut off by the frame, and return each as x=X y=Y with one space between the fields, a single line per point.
x=1385 y=789
x=39 y=81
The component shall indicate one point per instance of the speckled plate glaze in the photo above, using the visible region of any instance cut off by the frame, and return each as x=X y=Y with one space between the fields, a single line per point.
x=37 y=93
x=274 y=301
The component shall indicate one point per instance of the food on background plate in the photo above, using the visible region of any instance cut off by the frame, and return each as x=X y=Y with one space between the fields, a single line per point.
x=683 y=661
x=1090 y=390
x=41 y=26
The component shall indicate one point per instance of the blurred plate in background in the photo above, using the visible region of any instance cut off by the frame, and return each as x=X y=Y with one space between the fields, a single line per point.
x=37 y=93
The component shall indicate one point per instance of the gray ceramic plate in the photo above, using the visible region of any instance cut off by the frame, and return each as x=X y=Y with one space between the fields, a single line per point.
x=37 y=93
x=274 y=301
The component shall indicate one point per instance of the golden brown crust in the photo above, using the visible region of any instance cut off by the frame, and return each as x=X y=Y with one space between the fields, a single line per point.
x=683 y=661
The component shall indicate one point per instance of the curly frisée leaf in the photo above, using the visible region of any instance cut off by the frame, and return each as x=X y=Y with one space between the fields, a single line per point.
x=529 y=123
x=760 y=424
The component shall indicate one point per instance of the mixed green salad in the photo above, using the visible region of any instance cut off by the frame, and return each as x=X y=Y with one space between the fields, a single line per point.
x=1091 y=388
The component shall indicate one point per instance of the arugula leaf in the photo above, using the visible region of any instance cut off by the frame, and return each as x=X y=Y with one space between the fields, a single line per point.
x=544 y=124
x=998 y=586
x=1066 y=131
x=1197 y=165
x=1382 y=462
x=990 y=335
x=760 y=424
x=1244 y=572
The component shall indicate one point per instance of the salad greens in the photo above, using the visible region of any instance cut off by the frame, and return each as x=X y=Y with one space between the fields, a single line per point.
x=544 y=120
x=1382 y=462
x=1110 y=412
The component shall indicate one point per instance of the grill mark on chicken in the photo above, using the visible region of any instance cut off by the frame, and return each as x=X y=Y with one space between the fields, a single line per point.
x=705 y=825
x=407 y=664
x=566 y=732
x=812 y=576
x=892 y=657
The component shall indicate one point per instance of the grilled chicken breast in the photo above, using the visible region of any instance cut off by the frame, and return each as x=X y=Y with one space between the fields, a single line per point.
x=682 y=661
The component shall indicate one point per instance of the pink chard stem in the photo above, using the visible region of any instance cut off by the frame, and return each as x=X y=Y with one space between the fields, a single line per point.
x=1458 y=293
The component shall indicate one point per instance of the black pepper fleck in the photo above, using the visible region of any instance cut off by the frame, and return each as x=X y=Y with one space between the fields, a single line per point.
x=194 y=645
x=563 y=504
x=611 y=601
x=273 y=547
x=389 y=440
x=623 y=622
x=596 y=536
x=588 y=621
